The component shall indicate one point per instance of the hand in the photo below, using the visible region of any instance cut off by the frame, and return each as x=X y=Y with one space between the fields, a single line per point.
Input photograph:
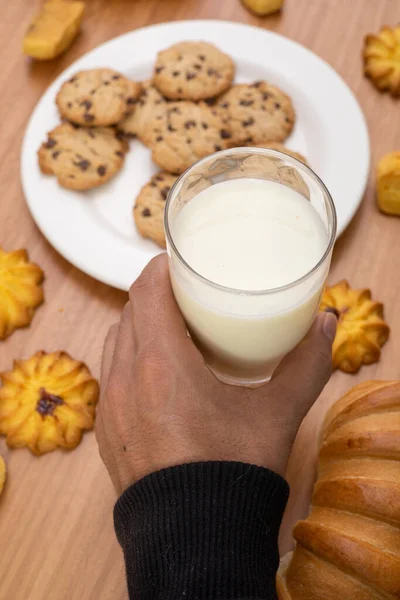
x=160 y=406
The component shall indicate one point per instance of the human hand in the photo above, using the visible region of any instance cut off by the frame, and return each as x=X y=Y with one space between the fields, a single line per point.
x=160 y=406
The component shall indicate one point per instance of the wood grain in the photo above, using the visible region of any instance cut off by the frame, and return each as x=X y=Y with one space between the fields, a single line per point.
x=56 y=534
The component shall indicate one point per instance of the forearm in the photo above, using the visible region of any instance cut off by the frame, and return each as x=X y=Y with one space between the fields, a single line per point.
x=202 y=531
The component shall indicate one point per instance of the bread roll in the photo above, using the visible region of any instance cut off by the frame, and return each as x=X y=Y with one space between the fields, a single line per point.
x=348 y=548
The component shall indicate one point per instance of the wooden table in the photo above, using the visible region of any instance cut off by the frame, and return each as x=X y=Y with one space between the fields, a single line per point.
x=56 y=533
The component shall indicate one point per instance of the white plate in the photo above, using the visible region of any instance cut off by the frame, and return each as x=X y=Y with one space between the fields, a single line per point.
x=95 y=230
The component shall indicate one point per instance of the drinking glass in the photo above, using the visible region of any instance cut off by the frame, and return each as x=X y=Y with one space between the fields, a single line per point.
x=243 y=335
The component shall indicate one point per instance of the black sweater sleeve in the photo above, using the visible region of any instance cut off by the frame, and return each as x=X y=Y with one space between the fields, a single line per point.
x=202 y=531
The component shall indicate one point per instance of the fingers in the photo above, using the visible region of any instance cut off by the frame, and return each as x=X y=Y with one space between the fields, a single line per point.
x=156 y=316
x=107 y=358
x=304 y=372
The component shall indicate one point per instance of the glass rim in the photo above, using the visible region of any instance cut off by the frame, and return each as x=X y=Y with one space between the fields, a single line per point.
x=267 y=152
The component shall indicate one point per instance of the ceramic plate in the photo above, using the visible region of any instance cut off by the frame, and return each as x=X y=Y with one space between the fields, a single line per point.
x=95 y=230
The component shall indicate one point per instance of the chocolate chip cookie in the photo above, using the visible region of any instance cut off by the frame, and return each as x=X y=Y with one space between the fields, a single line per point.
x=257 y=113
x=97 y=97
x=82 y=158
x=148 y=211
x=282 y=148
x=193 y=71
x=135 y=123
x=182 y=132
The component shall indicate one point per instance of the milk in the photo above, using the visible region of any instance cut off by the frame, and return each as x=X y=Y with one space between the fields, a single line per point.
x=252 y=236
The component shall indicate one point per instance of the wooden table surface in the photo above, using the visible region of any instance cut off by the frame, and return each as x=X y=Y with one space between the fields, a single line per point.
x=56 y=533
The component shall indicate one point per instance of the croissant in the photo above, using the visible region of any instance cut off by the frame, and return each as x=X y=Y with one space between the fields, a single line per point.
x=348 y=548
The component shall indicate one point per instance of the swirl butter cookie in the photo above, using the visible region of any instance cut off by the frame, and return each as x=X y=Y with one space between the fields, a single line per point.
x=97 y=97
x=82 y=158
x=46 y=402
x=382 y=59
x=148 y=211
x=150 y=99
x=193 y=71
x=361 y=329
x=20 y=290
x=257 y=113
x=388 y=183
x=182 y=132
x=3 y=474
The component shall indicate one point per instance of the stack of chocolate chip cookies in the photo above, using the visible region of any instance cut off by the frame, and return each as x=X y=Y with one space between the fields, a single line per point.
x=85 y=150
x=188 y=110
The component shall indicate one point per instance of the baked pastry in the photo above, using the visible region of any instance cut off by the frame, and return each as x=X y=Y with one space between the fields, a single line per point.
x=46 y=402
x=282 y=148
x=150 y=99
x=361 y=330
x=349 y=546
x=82 y=158
x=148 y=211
x=257 y=113
x=97 y=97
x=3 y=473
x=193 y=71
x=180 y=133
x=263 y=7
x=388 y=183
x=20 y=290
x=54 y=29
x=381 y=59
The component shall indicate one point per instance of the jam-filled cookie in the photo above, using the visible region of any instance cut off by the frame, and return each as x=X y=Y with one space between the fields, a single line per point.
x=46 y=402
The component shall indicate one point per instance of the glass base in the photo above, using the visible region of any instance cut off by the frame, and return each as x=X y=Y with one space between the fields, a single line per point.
x=237 y=372
x=237 y=381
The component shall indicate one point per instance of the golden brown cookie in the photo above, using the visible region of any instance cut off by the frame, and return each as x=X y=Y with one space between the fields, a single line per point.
x=193 y=71
x=150 y=99
x=281 y=148
x=361 y=330
x=46 y=402
x=82 y=158
x=148 y=211
x=3 y=474
x=97 y=97
x=382 y=59
x=388 y=183
x=263 y=7
x=257 y=113
x=182 y=132
x=54 y=29
x=20 y=290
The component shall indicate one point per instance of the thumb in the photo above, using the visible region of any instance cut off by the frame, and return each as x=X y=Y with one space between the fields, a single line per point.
x=305 y=371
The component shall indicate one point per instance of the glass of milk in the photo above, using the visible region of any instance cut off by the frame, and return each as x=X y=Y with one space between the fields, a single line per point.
x=250 y=234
